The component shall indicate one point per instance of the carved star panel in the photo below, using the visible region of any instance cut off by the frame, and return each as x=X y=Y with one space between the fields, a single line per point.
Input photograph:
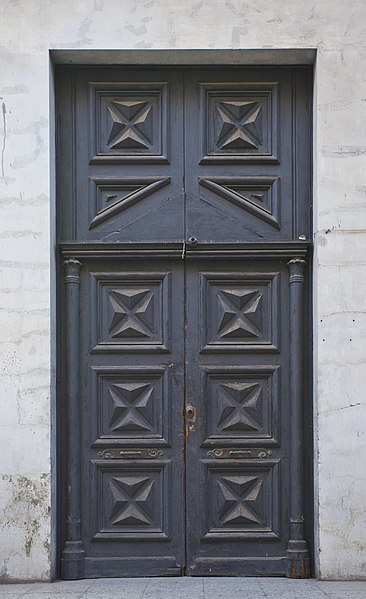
x=242 y=404
x=239 y=498
x=239 y=312
x=131 y=501
x=130 y=124
x=131 y=407
x=238 y=125
x=130 y=121
x=242 y=500
x=132 y=403
x=132 y=312
x=240 y=121
x=239 y=409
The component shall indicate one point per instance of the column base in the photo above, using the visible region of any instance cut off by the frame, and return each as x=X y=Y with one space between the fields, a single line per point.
x=73 y=561
x=298 y=561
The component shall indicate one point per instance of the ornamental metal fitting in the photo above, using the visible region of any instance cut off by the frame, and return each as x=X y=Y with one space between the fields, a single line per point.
x=245 y=454
x=131 y=454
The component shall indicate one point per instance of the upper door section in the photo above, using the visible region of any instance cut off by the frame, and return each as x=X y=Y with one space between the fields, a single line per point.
x=121 y=155
x=159 y=156
x=247 y=154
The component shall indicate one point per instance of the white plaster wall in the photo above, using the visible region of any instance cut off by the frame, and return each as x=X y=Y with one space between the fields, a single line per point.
x=28 y=29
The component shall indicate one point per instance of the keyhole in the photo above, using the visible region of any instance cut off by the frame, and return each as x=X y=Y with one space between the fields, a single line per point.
x=192 y=241
x=190 y=412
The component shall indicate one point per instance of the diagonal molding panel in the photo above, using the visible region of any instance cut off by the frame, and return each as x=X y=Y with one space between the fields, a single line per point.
x=257 y=195
x=111 y=196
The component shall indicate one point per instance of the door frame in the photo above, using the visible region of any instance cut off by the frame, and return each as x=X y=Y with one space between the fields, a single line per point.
x=199 y=58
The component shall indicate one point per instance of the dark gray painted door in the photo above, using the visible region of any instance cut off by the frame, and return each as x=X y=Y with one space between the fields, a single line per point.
x=181 y=198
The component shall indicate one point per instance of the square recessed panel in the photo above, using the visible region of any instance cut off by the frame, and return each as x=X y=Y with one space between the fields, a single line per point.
x=131 y=312
x=131 y=403
x=241 y=501
x=239 y=311
x=239 y=122
x=129 y=501
x=129 y=121
x=241 y=403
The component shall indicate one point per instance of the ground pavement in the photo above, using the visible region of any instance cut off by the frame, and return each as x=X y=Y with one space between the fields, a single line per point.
x=187 y=588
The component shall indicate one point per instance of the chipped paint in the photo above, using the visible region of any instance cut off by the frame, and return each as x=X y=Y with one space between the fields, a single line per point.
x=27 y=506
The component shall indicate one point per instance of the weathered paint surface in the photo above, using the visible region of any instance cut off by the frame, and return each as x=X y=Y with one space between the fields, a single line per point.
x=27 y=31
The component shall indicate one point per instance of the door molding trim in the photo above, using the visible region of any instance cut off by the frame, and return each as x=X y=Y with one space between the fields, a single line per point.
x=185 y=57
x=252 y=251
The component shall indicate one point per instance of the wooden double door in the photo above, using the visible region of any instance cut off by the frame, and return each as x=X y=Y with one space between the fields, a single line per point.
x=183 y=228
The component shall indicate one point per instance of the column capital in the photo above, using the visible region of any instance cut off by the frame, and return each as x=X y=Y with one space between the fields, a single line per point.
x=72 y=268
x=296 y=267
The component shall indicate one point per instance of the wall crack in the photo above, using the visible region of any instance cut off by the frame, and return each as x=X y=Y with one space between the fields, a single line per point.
x=3 y=108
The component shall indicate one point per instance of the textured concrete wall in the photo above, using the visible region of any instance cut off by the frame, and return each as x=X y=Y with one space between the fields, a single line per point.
x=28 y=29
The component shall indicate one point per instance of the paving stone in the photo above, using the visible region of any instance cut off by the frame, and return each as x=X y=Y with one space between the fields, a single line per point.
x=294 y=593
x=54 y=595
x=61 y=586
x=100 y=593
x=8 y=589
x=113 y=593
x=174 y=588
x=290 y=589
x=167 y=595
x=219 y=588
x=343 y=589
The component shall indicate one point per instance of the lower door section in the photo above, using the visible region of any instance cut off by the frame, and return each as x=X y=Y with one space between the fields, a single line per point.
x=184 y=417
x=237 y=492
